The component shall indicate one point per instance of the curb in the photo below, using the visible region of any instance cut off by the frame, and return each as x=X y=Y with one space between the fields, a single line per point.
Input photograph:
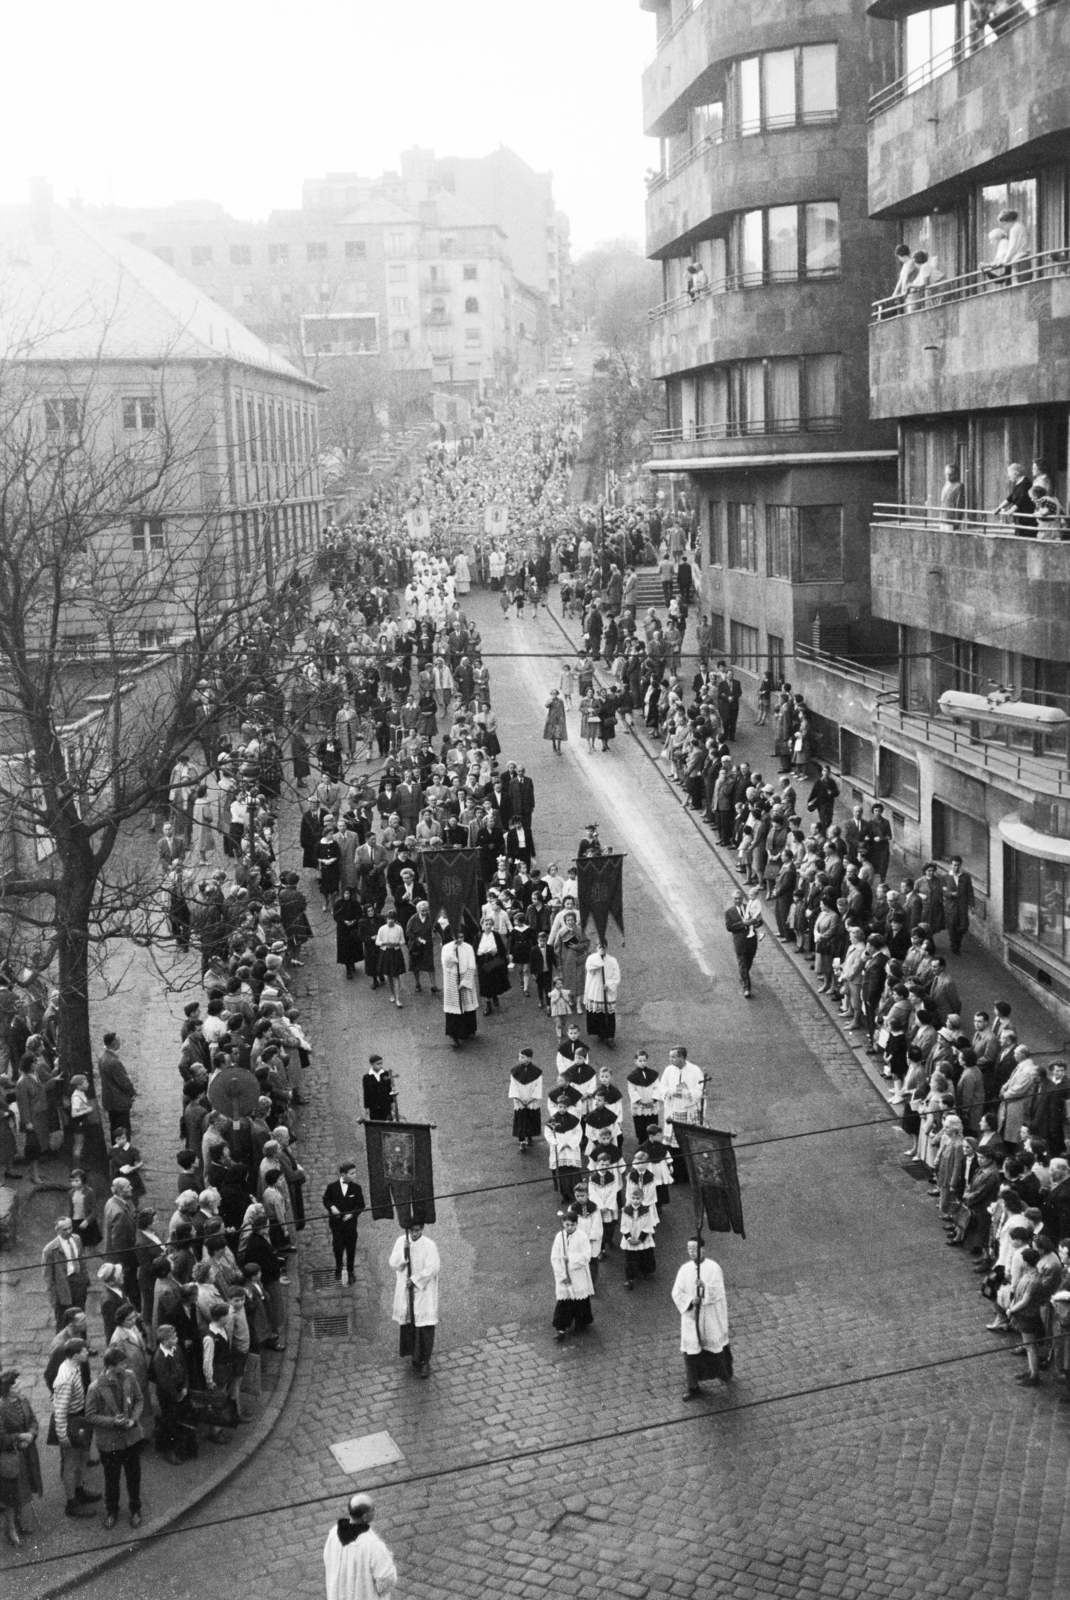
x=206 y=1487
x=875 y=1080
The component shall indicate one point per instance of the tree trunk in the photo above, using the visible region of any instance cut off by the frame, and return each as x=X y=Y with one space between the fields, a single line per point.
x=74 y=904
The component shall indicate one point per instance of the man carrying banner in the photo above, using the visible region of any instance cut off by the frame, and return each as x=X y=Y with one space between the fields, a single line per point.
x=699 y=1296
x=415 y=1261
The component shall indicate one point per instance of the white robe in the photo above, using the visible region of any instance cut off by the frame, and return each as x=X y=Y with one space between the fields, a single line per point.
x=361 y=1570
x=712 y=1325
x=423 y=1253
x=459 y=983
x=572 y=1281
x=602 y=980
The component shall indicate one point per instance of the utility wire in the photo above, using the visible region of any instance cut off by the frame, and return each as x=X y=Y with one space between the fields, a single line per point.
x=537 y=1452
x=525 y=1183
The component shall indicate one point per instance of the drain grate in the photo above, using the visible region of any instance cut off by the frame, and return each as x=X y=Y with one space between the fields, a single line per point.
x=331 y=1327
x=323 y=1278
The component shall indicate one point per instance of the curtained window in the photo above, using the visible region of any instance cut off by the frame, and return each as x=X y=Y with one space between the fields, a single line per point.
x=783 y=243
x=784 y=393
x=823 y=391
x=822 y=232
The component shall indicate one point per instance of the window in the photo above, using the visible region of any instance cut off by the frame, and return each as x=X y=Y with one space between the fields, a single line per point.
x=473 y=336
x=897 y=777
x=397 y=272
x=316 y=250
x=446 y=246
x=822 y=392
x=78 y=644
x=395 y=244
x=470 y=272
x=241 y=255
x=1038 y=901
x=152 y=638
x=776 y=656
x=783 y=88
x=251 y=411
x=165 y=253
x=716 y=516
x=341 y=333
x=278 y=255
x=716 y=633
x=471 y=306
x=400 y=339
x=139 y=414
x=356 y=249
x=200 y=255
x=856 y=756
x=744 y=646
x=783 y=244
x=246 y=559
x=926 y=44
x=399 y=305
x=63 y=416
x=146 y=534
x=742 y=537
x=804 y=543
x=956 y=833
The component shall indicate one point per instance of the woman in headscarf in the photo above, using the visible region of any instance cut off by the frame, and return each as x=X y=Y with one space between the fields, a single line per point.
x=492 y=965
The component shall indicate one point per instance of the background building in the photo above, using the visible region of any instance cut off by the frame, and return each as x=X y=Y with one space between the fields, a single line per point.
x=970 y=124
x=761 y=115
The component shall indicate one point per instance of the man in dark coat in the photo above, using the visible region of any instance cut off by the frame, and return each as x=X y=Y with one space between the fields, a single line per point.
x=784 y=894
x=958 y=903
x=117 y=1092
x=343 y=1201
x=744 y=939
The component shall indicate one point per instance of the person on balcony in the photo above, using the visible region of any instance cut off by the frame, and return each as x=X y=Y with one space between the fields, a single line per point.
x=926 y=277
x=1017 y=505
x=697 y=281
x=952 y=495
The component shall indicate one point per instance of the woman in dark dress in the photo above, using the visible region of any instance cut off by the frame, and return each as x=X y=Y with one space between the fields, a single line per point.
x=330 y=865
x=349 y=946
x=368 y=926
x=492 y=967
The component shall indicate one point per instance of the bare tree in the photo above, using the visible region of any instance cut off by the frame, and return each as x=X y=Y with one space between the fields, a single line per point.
x=614 y=286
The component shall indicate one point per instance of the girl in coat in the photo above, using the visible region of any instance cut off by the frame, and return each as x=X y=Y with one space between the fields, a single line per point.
x=555 y=728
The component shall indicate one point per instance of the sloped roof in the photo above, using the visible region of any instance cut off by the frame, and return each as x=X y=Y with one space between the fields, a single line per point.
x=377 y=209
x=453 y=213
x=71 y=292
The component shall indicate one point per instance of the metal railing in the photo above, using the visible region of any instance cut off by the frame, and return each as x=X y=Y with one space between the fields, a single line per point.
x=1035 y=268
x=989 y=524
x=733 y=281
x=1014 y=15
x=1047 y=774
x=747 y=430
x=870 y=677
x=731 y=131
x=672 y=30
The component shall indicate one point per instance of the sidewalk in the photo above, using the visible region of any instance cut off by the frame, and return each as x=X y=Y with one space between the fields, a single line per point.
x=146 y=1010
x=981 y=977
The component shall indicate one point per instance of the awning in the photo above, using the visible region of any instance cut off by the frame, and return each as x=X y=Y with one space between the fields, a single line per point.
x=1008 y=713
x=1031 y=843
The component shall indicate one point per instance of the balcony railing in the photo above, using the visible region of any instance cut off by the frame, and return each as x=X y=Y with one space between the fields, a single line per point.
x=989 y=524
x=843 y=667
x=1013 y=15
x=674 y=28
x=738 y=130
x=733 y=281
x=982 y=280
x=748 y=430
x=1044 y=774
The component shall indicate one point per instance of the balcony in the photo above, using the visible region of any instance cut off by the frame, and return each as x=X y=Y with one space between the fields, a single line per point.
x=975 y=342
x=435 y=286
x=991 y=762
x=971 y=576
x=745 y=169
x=746 y=314
x=970 y=106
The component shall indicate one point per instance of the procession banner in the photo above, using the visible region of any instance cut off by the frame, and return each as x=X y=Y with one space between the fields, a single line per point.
x=496 y=520
x=418 y=522
x=453 y=885
x=600 y=887
x=711 y=1168
x=400 y=1171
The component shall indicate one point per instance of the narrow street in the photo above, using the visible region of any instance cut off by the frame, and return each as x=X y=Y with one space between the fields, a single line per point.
x=873 y=1442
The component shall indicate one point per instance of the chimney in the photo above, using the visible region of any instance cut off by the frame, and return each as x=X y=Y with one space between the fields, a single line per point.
x=41 y=209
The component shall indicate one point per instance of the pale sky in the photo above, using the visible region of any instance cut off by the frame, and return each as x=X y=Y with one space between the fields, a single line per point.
x=238 y=101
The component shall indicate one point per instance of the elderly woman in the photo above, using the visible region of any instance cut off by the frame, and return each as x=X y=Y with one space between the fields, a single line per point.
x=1018 y=1095
x=492 y=966
x=129 y=1336
x=600 y=988
x=20 y=1469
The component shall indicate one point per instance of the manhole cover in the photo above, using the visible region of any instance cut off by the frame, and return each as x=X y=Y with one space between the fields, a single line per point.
x=323 y=1278
x=331 y=1327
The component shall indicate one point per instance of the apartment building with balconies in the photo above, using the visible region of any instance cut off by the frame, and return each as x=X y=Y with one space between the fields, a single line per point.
x=969 y=162
x=760 y=110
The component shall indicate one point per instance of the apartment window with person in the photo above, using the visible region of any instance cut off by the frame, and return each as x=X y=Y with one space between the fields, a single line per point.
x=742 y=522
x=783 y=89
x=278 y=254
x=139 y=414
x=241 y=255
x=147 y=533
x=200 y=255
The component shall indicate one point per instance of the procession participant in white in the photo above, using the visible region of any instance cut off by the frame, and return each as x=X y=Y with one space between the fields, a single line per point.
x=357 y=1563
x=682 y=1087
x=416 y=1264
x=571 y=1261
x=525 y=1093
x=699 y=1296
x=600 y=988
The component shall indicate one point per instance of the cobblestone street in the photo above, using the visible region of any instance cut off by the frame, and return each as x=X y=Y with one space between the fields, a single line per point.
x=873 y=1444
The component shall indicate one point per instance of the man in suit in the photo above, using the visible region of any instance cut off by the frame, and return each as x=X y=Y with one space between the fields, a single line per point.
x=66 y=1280
x=408 y=801
x=349 y=866
x=784 y=894
x=120 y=1236
x=343 y=1201
x=959 y=901
x=117 y=1092
x=744 y=938
x=518 y=842
x=171 y=1376
x=944 y=998
x=170 y=850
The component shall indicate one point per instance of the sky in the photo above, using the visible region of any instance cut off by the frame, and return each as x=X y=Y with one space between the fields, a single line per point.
x=238 y=102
